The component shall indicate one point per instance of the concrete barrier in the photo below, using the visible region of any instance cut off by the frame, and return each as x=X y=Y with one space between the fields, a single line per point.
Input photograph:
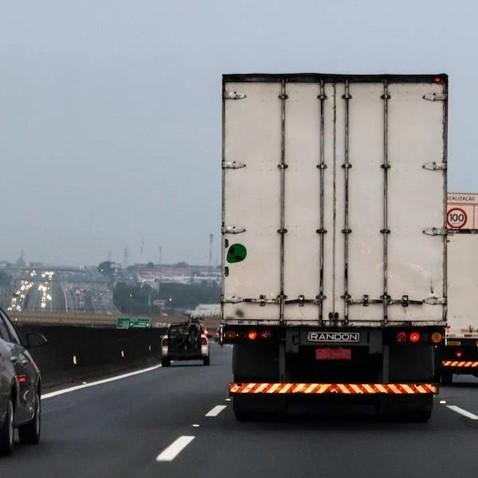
x=75 y=354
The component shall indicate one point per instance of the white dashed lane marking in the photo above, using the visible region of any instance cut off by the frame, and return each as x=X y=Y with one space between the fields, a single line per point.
x=463 y=412
x=173 y=450
x=214 y=412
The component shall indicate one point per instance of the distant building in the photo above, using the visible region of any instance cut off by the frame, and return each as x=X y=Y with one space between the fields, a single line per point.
x=176 y=273
x=206 y=310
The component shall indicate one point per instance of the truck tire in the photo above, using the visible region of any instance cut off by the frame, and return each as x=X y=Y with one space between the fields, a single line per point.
x=446 y=377
x=247 y=408
x=243 y=408
x=407 y=409
x=165 y=362
x=7 y=431
x=29 y=433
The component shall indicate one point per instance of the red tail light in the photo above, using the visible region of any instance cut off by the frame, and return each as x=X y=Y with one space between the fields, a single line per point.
x=459 y=354
x=252 y=334
x=414 y=337
x=438 y=80
x=401 y=337
x=231 y=335
x=22 y=378
x=265 y=334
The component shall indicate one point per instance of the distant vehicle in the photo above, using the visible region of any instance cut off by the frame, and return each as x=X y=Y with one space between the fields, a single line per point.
x=20 y=387
x=459 y=354
x=185 y=341
x=333 y=281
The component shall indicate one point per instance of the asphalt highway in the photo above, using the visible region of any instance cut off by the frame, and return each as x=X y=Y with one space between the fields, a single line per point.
x=177 y=422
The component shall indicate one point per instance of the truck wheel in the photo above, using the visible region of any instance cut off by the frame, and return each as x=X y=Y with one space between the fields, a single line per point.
x=206 y=360
x=7 y=431
x=259 y=408
x=165 y=362
x=29 y=434
x=446 y=378
x=243 y=408
x=407 y=409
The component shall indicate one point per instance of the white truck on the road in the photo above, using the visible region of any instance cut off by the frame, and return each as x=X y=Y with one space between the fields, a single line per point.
x=459 y=354
x=334 y=238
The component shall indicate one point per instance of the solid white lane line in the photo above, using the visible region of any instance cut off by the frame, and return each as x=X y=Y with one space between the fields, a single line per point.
x=214 y=412
x=98 y=382
x=173 y=450
x=465 y=413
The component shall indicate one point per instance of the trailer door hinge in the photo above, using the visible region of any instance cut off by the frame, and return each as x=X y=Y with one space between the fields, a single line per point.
x=434 y=166
x=234 y=95
x=435 y=96
x=233 y=229
x=232 y=300
x=233 y=165
x=435 y=231
x=435 y=300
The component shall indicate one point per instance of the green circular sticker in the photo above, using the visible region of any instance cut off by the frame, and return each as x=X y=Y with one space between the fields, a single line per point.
x=236 y=253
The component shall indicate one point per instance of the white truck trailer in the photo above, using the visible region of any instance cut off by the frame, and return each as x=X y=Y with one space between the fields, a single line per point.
x=459 y=354
x=334 y=238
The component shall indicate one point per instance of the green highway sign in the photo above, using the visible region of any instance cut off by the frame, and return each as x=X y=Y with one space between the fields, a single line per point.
x=133 y=323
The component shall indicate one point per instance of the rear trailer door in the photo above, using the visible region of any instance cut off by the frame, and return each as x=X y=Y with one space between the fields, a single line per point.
x=334 y=197
x=463 y=284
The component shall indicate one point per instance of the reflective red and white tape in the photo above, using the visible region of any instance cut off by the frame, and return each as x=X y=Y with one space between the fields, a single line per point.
x=330 y=388
x=458 y=363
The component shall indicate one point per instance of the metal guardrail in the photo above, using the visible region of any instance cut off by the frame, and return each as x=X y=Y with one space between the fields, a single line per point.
x=99 y=320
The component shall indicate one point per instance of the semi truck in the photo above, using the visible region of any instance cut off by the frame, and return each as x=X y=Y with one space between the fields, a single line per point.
x=459 y=352
x=334 y=273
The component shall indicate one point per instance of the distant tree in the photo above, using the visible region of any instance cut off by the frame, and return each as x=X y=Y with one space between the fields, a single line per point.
x=5 y=279
x=139 y=298
x=106 y=268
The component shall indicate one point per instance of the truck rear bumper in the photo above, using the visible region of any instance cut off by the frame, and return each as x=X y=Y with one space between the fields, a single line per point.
x=460 y=364
x=333 y=388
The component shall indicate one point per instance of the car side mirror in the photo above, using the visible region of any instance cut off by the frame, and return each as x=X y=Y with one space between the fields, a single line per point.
x=32 y=341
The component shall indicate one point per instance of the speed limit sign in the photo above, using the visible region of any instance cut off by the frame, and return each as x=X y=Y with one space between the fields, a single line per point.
x=456 y=218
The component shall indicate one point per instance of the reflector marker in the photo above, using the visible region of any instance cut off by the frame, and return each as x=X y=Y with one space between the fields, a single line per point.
x=329 y=388
x=458 y=363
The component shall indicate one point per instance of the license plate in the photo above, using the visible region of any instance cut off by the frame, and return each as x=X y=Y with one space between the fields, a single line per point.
x=333 y=354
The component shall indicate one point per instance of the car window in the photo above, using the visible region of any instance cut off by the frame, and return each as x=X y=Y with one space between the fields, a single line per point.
x=3 y=330
x=11 y=330
x=178 y=331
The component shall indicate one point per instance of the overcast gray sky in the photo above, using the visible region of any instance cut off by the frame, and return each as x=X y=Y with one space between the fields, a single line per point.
x=110 y=109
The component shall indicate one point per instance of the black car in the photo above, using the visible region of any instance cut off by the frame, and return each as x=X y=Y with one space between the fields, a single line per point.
x=185 y=341
x=20 y=387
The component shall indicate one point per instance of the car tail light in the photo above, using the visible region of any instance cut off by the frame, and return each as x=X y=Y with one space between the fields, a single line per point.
x=459 y=353
x=265 y=334
x=401 y=337
x=22 y=378
x=252 y=335
x=164 y=343
x=203 y=340
x=414 y=337
x=438 y=80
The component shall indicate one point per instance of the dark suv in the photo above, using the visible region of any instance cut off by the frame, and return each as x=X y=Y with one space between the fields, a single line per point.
x=185 y=341
x=20 y=387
